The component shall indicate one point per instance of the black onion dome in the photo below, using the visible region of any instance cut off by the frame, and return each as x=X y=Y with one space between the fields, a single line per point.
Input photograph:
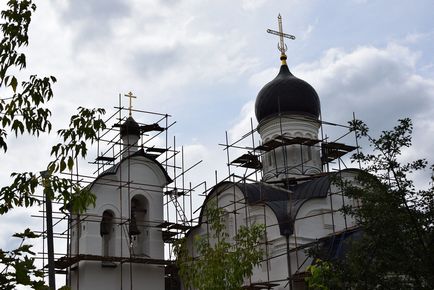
x=287 y=94
x=130 y=127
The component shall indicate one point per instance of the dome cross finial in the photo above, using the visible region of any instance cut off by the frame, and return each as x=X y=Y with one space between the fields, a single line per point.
x=130 y=96
x=281 y=46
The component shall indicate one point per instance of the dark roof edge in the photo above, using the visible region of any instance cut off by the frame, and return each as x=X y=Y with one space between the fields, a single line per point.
x=283 y=224
x=228 y=184
x=139 y=153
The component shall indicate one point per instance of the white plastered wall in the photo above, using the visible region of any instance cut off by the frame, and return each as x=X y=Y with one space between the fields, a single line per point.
x=147 y=180
x=313 y=221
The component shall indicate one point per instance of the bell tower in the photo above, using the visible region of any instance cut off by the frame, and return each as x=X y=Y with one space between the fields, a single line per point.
x=116 y=244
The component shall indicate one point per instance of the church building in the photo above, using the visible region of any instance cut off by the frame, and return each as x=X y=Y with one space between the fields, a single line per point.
x=296 y=199
x=123 y=241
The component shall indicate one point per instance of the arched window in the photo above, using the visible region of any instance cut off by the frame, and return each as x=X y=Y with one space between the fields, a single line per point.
x=106 y=231
x=309 y=152
x=138 y=229
x=228 y=219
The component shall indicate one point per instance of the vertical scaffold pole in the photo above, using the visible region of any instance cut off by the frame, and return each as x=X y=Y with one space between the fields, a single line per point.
x=50 y=242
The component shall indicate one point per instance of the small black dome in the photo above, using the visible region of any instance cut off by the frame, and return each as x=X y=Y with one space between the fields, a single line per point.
x=130 y=127
x=287 y=94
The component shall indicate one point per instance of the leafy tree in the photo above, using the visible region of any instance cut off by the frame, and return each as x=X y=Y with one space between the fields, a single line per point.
x=323 y=276
x=220 y=263
x=396 y=217
x=24 y=111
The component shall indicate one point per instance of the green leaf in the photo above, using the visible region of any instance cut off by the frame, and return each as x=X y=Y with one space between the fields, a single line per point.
x=70 y=163
x=62 y=164
x=14 y=84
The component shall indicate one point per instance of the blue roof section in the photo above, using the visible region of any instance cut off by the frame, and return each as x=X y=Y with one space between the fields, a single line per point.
x=316 y=188
x=274 y=197
x=278 y=199
x=336 y=247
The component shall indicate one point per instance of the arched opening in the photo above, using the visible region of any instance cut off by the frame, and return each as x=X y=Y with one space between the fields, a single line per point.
x=107 y=232
x=228 y=220
x=139 y=226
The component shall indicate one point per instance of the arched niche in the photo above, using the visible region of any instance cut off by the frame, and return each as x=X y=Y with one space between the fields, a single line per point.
x=139 y=225
x=107 y=233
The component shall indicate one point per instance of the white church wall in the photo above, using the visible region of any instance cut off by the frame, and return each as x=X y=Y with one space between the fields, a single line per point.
x=273 y=265
x=321 y=217
x=275 y=260
x=316 y=218
x=143 y=276
x=146 y=181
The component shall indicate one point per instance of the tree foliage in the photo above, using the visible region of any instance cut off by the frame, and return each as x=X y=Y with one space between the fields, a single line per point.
x=322 y=276
x=220 y=263
x=24 y=111
x=396 y=218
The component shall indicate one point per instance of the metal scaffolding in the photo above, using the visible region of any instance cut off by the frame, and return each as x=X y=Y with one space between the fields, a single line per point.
x=246 y=168
x=180 y=196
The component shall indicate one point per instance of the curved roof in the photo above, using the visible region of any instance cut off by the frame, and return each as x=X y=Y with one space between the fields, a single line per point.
x=277 y=199
x=287 y=94
x=114 y=169
x=130 y=127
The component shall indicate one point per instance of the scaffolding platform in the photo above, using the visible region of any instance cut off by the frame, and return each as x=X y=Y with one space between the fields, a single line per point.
x=168 y=236
x=248 y=161
x=180 y=227
x=156 y=150
x=151 y=127
x=105 y=159
x=260 y=285
x=175 y=192
x=66 y=262
x=333 y=150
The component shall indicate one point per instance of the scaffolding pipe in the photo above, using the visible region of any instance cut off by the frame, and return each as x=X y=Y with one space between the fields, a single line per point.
x=50 y=242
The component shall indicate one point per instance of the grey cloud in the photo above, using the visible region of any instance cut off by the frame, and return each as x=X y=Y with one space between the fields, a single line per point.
x=380 y=85
x=94 y=18
x=99 y=10
x=148 y=64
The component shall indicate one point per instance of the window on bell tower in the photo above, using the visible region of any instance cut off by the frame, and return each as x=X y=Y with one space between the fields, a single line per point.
x=107 y=231
x=139 y=226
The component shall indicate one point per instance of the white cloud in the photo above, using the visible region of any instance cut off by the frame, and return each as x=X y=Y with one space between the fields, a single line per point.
x=306 y=34
x=244 y=123
x=258 y=80
x=375 y=83
x=252 y=4
x=380 y=85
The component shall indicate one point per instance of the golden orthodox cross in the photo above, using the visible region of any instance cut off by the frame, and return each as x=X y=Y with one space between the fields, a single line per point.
x=281 y=46
x=131 y=96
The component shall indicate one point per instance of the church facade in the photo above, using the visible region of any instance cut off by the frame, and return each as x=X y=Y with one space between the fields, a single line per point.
x=121 y=242
x=117 y=244
x=297 y=201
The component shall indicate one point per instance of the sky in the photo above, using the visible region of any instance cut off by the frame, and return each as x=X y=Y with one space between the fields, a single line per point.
x=203 y=62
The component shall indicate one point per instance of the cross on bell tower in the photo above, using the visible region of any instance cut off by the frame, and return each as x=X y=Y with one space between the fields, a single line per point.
x=130 y=96
x=281 y=46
